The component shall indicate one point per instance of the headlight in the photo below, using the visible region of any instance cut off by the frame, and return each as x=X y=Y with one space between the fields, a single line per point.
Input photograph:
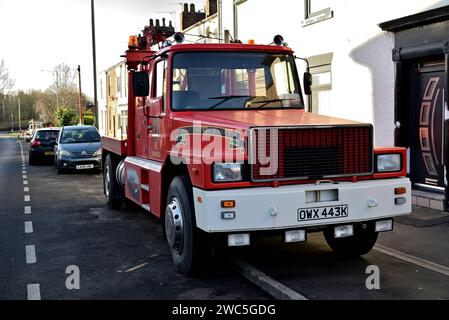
x=65 y=153
x=388 y=162
x=98 y=153
x=227 y=172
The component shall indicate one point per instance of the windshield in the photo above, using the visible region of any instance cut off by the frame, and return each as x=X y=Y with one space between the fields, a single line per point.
x=80 y=135
x=226 y=80
x=46 y=135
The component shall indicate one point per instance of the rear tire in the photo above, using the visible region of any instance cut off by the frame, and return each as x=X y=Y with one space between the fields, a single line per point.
x=359 y=244
x=112 y=191
x=31 y=160
x=188 y=245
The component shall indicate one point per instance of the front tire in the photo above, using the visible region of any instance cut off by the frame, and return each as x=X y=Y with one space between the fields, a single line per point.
x=359 y=244
x=187 y=247
x=112 y=191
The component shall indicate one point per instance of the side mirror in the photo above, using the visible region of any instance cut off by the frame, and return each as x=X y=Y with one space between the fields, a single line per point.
x=141 y=84
x=307 y=83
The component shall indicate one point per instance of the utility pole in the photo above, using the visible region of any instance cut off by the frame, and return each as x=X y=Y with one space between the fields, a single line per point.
x=4 y=119
x=81 y=96
x=57 y=90
x=12 y=122
x=94 y=53
x=20 y=125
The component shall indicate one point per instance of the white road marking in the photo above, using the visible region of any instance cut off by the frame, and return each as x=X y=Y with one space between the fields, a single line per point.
x=27 y=198
x=137 y=267
x=28 y=227
x=25 y=182
x=24 y=172
x=274 y=288
x=27 y=210
x=26 y=189
x=30 y=252
x=414 y=260
x=24 y=177
x=34 y=292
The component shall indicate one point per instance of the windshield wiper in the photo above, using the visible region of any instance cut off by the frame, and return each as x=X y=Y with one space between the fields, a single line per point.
x=265 y=102
x=225 y=98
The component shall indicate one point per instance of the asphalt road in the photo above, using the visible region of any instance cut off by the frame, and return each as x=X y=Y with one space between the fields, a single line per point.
x=121 y=255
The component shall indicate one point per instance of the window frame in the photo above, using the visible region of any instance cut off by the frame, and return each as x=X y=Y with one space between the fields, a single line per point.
x=320 y=64
x=317 y=16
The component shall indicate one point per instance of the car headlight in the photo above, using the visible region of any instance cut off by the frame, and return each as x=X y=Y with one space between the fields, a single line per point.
x=388 y=162
x=227 y=172
x=98 y=153
x=65 y=153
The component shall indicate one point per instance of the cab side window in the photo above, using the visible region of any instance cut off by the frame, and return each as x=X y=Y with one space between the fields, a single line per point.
x=161 y=80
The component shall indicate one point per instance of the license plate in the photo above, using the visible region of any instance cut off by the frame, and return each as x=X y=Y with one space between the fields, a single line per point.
x=49 y=153
x=323 y=213
x=85 y=166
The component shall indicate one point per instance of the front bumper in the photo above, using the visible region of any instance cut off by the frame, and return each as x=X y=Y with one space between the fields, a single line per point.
x=264 y=209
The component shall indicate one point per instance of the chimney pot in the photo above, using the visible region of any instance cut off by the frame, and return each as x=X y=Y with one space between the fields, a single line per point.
x=157 y=23
x=151 y=23
x=163 y=22
x=186 y=7
x=192 y=7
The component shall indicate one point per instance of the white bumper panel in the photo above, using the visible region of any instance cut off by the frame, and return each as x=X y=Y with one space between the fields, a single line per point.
x=278 y=208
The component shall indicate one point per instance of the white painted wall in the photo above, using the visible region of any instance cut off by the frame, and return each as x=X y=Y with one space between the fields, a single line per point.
x=362 y=68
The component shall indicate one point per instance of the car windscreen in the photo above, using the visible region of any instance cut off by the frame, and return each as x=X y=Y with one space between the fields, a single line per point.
x=47 y=135
x=234 y=80
x=79 y=135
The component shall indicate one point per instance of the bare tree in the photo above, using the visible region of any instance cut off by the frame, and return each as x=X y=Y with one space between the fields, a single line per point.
x=6 y=83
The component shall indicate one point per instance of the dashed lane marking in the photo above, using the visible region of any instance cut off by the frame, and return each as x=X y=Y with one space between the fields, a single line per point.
x=26 y=189
x=25 y=182
x=30 y=253
x=27 y=198
x=28 y=227
x=34 y=292
x=27 y=210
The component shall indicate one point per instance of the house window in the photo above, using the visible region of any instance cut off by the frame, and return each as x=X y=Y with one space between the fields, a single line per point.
x=320 y=67
x=316 y=11
x=237 y=3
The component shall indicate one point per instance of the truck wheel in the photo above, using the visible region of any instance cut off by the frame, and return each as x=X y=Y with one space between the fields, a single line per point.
x=112 y=191
x=183 y=237
x=359 y=244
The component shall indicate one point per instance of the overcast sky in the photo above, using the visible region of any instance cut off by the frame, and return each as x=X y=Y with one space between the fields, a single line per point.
x=39 y=34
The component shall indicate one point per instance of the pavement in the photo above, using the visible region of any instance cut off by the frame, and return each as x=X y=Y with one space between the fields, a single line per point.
x=424 y=217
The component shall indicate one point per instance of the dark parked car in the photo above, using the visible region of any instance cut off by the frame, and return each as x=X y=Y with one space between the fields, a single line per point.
x=42 y=145
x=78 y=148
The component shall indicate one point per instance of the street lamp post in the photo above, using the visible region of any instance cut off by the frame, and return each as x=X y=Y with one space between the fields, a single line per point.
x=94 y=58
x=20 y=125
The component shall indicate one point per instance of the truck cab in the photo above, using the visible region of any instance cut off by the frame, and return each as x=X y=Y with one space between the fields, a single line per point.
x=222 y=149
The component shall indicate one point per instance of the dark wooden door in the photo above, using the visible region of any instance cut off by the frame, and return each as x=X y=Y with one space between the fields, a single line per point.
x=427 y=143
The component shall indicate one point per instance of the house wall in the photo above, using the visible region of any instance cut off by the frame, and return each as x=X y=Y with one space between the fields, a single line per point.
x=362 y=67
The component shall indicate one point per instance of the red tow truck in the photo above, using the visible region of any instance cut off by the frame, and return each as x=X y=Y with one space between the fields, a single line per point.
x=220 y=147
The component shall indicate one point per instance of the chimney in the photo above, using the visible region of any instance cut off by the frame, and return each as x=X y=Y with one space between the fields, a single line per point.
x=211 y=7
x=190 y=17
